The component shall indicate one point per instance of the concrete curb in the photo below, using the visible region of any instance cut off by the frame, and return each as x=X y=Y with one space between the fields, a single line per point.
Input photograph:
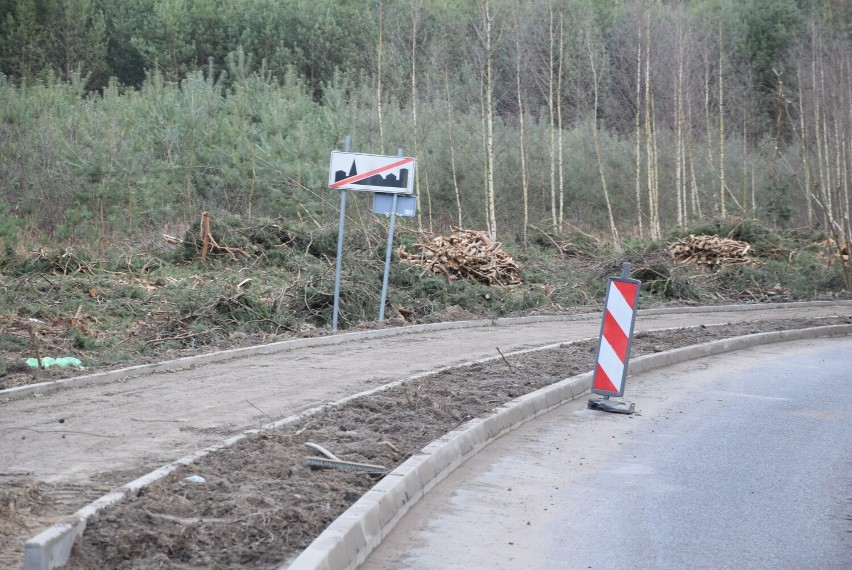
x=197 y=360
x=52 y=547
x=349 y=540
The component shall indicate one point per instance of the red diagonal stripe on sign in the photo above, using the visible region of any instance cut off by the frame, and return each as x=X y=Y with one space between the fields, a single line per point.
x=628 y=291
x=615 y=335
x=357 y=177
x=602 y=381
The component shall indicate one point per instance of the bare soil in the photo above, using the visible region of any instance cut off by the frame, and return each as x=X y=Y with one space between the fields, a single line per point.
x=260 y=504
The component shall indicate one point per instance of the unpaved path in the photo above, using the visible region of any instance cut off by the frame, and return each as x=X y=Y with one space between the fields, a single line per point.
x=87 y=440
x=141 y=423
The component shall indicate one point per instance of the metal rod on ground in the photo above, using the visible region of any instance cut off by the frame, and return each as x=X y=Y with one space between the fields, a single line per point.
x=347 y=144
x=332 y=461
x=388 y=253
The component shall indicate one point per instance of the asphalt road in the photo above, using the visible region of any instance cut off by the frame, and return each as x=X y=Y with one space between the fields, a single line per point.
x=742 y=461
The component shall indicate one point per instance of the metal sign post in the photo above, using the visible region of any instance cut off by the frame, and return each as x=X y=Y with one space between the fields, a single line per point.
x=388 y=252
x=395 y=199
x=614 y=345
x=347 y=144
x=387 y=176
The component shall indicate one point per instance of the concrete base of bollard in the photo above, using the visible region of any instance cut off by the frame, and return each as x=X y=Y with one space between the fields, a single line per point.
x=614 y=406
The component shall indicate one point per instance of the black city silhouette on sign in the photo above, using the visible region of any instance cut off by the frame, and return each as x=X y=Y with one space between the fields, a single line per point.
x=389 y=181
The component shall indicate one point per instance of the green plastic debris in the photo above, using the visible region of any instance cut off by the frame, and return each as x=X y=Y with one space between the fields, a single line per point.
x=62 y=362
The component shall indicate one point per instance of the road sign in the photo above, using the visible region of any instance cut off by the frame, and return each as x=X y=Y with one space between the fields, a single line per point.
x=616 y=335
x=371 y=173
x=406 y=206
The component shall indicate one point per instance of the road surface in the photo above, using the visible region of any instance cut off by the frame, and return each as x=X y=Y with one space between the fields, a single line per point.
x=742 y=461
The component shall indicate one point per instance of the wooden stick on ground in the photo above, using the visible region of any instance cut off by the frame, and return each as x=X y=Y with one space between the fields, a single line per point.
x=205 y=235
x=34 y=344
x=208 y=242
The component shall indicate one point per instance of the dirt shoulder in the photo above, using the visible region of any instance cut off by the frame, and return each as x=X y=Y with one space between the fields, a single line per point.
x=66 y=448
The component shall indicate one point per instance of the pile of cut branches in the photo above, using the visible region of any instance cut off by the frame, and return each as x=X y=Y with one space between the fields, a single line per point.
x=465 y=253
x=709 y=250
x=60 y=262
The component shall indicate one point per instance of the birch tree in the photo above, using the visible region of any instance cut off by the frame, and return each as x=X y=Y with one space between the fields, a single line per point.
x=451 y=141
x=679 y=119
x=551 y=109
x=829 y=137
x=415 y=18
x=651 y=139
x=380 y=48
x=487 y=39
x=598 y=155
x=559 y=116
x=722 y=188
x=638 y=135
x=521 y=130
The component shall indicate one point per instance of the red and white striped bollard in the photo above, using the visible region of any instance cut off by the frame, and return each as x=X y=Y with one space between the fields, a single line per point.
x=619 y=316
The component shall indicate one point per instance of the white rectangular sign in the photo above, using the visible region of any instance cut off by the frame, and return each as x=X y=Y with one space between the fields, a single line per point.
x=406 y=206
x=371 y=173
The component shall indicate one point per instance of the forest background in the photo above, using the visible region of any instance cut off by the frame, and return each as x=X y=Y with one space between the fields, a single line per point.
x=620 y=122
x=626 y=116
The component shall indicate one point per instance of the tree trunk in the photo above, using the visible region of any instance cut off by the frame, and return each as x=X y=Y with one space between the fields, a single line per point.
x=823 y=182
x=776 y=151
x=489 y=87
x=708 y=122
x=414 y=107
x=803 y=141
x=379 y=96
x=650 y=140
x=551 y=111
x=722 y=188
x=559 y=122
x=745 y=160
x=521 y=134
x=487 y=168
x=637 y=126
x=654 y=169
x=695 y=200
x=679 y=146
x=452 y=144
x=598 y=157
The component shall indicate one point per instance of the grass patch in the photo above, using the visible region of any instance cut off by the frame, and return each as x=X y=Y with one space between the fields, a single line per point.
x=150 y=301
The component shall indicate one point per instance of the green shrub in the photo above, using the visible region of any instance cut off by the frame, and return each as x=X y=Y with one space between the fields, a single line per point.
x=11 y=342
x=8 y=228
x=665 y=282
x=81 y=341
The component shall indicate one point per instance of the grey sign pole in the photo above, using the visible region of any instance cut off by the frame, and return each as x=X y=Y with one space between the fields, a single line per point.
x=347 y=143
x=388 y=253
